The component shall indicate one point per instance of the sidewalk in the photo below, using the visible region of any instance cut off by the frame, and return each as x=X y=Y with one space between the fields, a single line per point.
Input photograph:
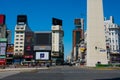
x=22 y=69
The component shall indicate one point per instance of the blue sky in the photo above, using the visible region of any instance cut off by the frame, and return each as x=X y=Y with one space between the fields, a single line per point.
x=40 y=13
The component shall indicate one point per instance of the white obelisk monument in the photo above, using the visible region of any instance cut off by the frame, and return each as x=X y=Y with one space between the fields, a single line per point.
x=96 y=43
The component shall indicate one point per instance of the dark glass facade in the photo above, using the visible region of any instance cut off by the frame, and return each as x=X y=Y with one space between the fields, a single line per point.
x=42 y=39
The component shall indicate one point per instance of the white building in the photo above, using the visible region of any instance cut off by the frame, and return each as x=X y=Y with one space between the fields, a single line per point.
x=19 y=38
x=112 y=34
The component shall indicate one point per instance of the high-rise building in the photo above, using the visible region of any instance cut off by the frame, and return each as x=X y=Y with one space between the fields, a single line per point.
x=3 y=40
x=77 y=37
x=57 y=41
x=2 y=26
x=21 y=30
x=112 y=32
x=96 y=44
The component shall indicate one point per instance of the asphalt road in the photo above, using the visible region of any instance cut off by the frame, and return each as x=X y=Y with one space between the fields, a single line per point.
x=66 y=73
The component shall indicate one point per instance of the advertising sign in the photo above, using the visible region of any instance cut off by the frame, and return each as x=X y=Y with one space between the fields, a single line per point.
x=102 y=50
x=21 y=19
x=2 y=61
x=3 y=50
x=56 y=21
x=29 y=37
x=3 y=39
x=10 y=49
x=28 y=48
x=2 y=57
x=30 y=56
x=2 y=44
x=42 y=55
x=17 y=60
x=2 y=19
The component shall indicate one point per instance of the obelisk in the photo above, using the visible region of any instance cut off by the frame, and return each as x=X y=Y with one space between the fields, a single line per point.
x=96 y=43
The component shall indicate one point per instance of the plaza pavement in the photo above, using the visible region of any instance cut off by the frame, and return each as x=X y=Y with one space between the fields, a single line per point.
x=12 y=71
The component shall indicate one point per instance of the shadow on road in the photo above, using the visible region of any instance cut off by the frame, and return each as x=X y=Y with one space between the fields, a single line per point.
x=109 y=79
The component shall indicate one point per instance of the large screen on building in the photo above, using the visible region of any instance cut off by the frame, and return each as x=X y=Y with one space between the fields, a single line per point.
x=2 y=19
x=43 y=39
x=42 y=55
x=21 y=18
x=56 y=21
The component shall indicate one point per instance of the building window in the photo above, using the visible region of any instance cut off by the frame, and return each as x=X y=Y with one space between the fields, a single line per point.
x=17 y=35
x=110 y=41
x=17 y=39
x=21 y=32
x=113 y=47
x=21 y=35
x=109 y=33
x=113 y=41
x=16 y=46
x=17 y=27
x=22 y=28
x=16 y=42
x=20 y=49
x=116 y=47
x=16 y=50
x=112 y=33
x=21 y=39
x=17 y=32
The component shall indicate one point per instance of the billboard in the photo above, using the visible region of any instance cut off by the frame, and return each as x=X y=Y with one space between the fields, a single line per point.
x=2 y=50
x=30 y=56
x=3 y=44
x=56 y=21
x=2 y=19
x=42 y=56
x=3 y=39
x=22 y=19
x=10 y=49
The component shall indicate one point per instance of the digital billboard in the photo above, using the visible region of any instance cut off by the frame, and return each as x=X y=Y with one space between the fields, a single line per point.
x=42 y=55
x=21 y=18
x=56 y=21
x=2 y=19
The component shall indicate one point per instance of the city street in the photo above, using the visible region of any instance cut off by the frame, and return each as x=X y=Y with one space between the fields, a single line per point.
x=64 y=73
